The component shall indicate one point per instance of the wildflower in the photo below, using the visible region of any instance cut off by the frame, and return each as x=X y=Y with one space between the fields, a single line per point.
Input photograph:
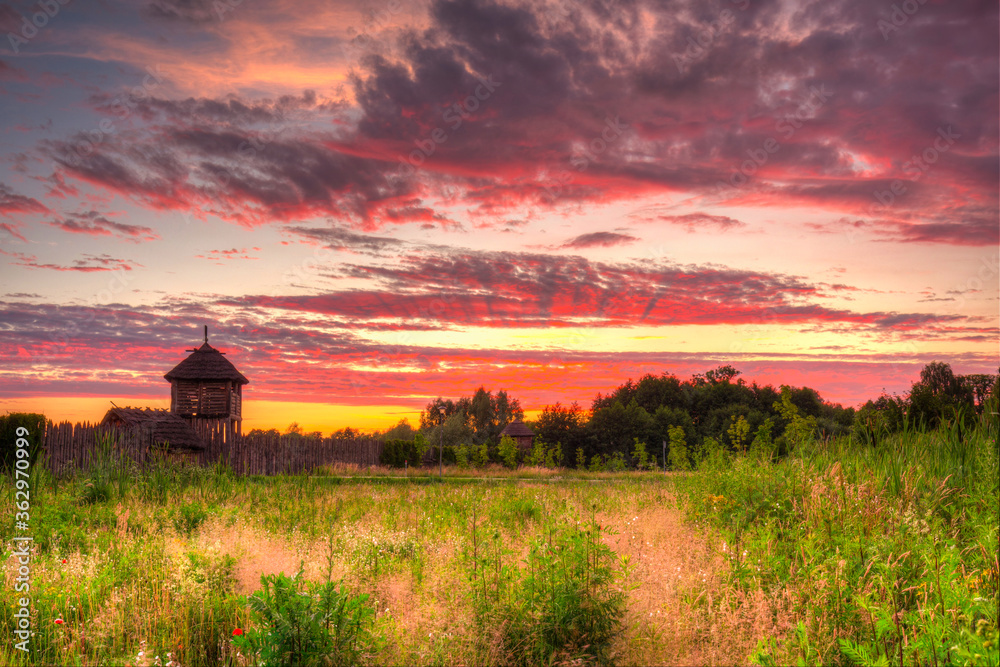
x=64 y=561
x=59 y=621
x=236 y=633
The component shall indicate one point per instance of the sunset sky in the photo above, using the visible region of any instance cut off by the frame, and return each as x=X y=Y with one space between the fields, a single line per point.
x=372 y=204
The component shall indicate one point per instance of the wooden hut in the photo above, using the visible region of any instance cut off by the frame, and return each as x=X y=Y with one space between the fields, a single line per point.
x=164 y=430
x=521 y=433
x=207 y=390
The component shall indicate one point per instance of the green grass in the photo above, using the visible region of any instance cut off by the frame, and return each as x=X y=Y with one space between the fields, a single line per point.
x=882 y=552
x=164 y=563
x=887 y=549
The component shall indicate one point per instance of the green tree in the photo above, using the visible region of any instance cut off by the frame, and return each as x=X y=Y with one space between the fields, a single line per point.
x=565 y=426
x=401 y=431
x=509 y=452
x=615 y=427
x=640 y=457
x=738 y=431
x=799 y=429
x=679 y=459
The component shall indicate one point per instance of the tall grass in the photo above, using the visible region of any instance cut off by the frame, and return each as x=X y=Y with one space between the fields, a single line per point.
x=887 y=545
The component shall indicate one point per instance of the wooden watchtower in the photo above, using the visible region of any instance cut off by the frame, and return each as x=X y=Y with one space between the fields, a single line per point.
x=207 y=390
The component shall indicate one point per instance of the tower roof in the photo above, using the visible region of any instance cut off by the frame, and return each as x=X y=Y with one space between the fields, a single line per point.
x=206 y=363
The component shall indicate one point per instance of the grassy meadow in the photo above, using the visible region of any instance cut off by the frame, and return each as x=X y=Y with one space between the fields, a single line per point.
x=844 y=552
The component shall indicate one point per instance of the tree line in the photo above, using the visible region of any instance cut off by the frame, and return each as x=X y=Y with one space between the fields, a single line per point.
x=662 y=419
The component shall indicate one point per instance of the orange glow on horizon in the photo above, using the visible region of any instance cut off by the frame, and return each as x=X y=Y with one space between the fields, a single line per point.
x=323 y=417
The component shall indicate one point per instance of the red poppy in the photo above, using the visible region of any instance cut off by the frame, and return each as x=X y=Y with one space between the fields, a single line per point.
x=59 y=621
x=64 y=560
x=237 y=632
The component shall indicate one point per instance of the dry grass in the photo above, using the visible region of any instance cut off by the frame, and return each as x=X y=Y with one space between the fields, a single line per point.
x=682 y=612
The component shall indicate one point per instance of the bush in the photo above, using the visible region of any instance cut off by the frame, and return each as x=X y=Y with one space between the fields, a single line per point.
x=679 y=459
x=9 y=424
x=509 y=452
x=324 y=625
x=481 y=456
x=462 y=454
x=616 y=462
x=537 y=456
x=400 y=453
x=563 y=609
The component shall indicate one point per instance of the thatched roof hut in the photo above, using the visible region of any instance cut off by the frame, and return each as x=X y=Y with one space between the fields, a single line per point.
x=520 y=432
x=167 y=428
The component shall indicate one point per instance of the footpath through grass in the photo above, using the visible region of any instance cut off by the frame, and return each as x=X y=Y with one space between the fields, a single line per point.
x=881 y=552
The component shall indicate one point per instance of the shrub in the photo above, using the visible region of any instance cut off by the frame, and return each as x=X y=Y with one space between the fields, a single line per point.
x=509 y=452
x=565 y=608
x=553 y=456
x=400 y=453
x=9 y=424
x=462 y=456
x=616 y=462
x=640 y=457
x=581 y=459
x=481 y=456
x=321 y=625
x=537 y=456
x=679 y=459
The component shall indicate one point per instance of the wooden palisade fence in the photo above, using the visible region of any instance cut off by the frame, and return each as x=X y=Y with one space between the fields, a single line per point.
x=71 y=447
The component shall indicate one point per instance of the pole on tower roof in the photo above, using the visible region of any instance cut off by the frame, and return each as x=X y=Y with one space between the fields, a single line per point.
x=206 y=333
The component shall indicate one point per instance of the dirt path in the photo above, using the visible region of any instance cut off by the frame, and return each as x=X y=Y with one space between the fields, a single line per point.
x=681 y=612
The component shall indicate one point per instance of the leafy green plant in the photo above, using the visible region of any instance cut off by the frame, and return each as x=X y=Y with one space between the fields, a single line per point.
x=322 y=624
x=189 y=517
x=481 y=456
x=462 y=454
x=554 y=456
x=565 y=607
x=581 y=459
x=537 y=455
x=616 y=462
x=509 y=452
x=641 y=457
x=679 y=459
